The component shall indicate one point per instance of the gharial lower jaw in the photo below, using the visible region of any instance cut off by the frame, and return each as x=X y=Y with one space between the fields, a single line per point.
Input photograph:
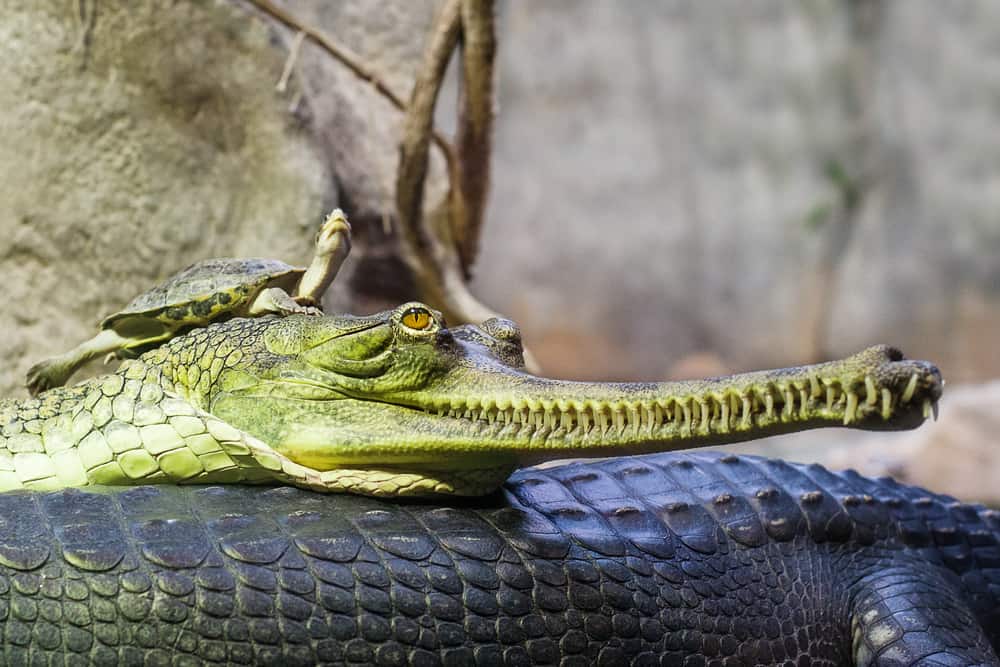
x=730 y=413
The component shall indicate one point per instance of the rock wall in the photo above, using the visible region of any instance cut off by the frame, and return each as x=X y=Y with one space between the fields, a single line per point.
x=136 y=138
x=730 y=185
x=680 y=187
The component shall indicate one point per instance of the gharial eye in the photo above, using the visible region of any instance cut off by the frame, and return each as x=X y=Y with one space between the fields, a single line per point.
x=417 y=318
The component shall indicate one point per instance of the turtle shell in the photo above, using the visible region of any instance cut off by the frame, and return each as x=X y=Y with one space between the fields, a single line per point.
x=205 y=291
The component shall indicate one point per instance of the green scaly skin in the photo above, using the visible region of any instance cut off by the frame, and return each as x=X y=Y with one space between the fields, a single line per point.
x=396 y=404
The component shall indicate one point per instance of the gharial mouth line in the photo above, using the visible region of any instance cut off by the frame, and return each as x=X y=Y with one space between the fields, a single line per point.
x=715 y=412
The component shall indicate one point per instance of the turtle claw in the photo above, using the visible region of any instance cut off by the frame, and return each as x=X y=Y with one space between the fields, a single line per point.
x=39 y=378
x=309 y=310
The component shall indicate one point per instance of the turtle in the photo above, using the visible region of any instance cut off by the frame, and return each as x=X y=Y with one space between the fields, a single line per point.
x=207 y=291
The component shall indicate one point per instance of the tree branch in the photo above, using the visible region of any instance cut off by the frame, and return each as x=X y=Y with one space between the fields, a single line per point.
x=413 y=149
x=349 y=60
x=474 y=142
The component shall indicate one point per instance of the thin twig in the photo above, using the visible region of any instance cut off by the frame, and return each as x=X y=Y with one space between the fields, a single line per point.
x=293 y=55
x=350 y=60
x=475 y=127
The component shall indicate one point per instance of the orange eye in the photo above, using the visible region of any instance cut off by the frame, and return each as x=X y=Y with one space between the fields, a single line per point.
x=417 y=318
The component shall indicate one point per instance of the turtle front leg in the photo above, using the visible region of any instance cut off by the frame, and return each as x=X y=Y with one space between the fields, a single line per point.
x=276 y=300
x=56 y=371
x=333 y=244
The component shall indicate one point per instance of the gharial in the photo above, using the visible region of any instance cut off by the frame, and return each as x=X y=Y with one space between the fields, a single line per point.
x=654 y=559
x=398 y=404
x=205 y=292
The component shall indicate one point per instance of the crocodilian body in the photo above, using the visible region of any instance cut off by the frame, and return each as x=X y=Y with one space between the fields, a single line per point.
x=659 y=558
x=397 y=404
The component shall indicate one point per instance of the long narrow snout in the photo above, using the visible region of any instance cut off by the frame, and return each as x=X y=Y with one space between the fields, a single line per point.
x=537 y=418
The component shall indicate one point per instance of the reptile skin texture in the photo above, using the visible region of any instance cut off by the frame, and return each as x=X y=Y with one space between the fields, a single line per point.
x=690 y=559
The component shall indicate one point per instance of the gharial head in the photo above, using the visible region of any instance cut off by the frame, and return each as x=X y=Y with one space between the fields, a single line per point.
x=401 y=392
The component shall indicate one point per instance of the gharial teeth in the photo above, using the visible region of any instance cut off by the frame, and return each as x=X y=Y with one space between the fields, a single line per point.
x=871 y=391
x=852 y=406
x=911 y=386
x=886 y=403
x=930 y=408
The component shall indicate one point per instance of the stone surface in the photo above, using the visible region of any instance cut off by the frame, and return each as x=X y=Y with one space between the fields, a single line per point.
x=135 y=141
x=668 y=176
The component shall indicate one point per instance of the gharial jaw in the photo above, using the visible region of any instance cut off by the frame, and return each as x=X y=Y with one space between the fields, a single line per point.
x=442 y=409
x=480 y=412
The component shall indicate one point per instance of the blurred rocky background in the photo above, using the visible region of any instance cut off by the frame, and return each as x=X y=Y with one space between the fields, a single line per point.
x=680 y=188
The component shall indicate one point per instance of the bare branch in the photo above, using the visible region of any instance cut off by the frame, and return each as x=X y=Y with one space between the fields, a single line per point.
x=350 y=60
x=475 y=127
x=413 y=150
x=345 y=57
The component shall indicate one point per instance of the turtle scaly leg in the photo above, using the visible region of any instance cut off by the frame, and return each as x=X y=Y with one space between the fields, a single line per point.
x=333 y=243
x=276 y=300
x=56 y=371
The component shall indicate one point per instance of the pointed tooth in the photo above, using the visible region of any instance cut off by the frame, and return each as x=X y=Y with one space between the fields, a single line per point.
x=886 y=403
x=633 y=417
x=789 y=408
x=852 y=406
x=704 y=416
x=814 y=387
x=804 y=407
x=686 y=426
x=724 y=419
x=871 y=391
x=657 y=414
x=747 y=412
x=934 y=409
x=619 y=417
x=831 y=397
x=769 y=404
x=911 y=387
x=566 y=421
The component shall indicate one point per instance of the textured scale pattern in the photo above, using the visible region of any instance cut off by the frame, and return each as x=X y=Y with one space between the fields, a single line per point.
x=695 y=559
x=205 y=289
x=126 y=429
